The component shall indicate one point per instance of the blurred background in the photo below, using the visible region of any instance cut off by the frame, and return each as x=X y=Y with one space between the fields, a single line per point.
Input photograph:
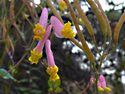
x=74 y=67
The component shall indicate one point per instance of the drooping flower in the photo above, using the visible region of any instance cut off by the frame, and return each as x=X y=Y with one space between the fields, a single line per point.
x=62 y=31
x=103 y=83
x=52 y=68
x=41 y=35
x=62 y=5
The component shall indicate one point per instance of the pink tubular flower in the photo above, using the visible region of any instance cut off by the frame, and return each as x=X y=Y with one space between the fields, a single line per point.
x=41 y=34
x=103 y=83
x=52 y=68
x=62 y=31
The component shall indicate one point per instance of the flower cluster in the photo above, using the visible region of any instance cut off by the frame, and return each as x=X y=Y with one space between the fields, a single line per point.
x=42 y=34
x=101 y=84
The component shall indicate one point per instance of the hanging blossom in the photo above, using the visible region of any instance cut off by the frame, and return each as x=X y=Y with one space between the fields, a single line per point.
x=41 y=34
x=62 y=31
x=101 y=84
x=62 y=5
x=52 y=68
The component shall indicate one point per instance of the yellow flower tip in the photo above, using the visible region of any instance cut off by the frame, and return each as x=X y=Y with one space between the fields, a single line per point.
x=67 y=31
x=52 y=70
x=107 y=89
x=101 y=89
x=10 y=0
x=39 y=32
x=37 y=38
x=35 y=56
x=54 y=77
x=62 y=5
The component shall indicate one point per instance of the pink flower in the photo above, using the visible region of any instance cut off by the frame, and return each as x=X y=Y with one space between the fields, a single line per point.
x=52 y=68
x=41 y=34
x=103 y=83
x=62 y=31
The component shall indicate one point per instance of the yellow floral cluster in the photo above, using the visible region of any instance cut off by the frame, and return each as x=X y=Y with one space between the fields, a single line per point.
x=52 y=71
x=62 y=5
x=67 y=31
x=35 y=56
x=39 y=32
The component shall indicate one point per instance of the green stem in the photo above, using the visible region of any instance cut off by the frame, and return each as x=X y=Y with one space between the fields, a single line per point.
x=96 y=82
x=3 y=54
x=53 y=87
x=93 y=38
x=8 y=29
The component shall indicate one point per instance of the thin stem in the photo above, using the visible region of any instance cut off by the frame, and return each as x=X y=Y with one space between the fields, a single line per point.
x=3 y=54
x=77 y=43
x=8 y=29
x=96 y=82
x=85 y=88
x=93 y=38
x=102 y=58
x=53 y=87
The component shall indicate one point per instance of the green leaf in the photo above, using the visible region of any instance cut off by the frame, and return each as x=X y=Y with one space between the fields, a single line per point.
x=36 y=91
x=58 y=90
x=50 y=90
x=23 y=89
x=23 y=80
x=7 y=76
x=35 y=78
x=50 y=83
x=34 y=85
x=57 y=83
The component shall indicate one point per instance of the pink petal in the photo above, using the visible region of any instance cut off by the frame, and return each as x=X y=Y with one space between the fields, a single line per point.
x=57 y=26
x=101 y=78
x=44 y=18
x=99 y=84
x=102 y=81
x=49 y=53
